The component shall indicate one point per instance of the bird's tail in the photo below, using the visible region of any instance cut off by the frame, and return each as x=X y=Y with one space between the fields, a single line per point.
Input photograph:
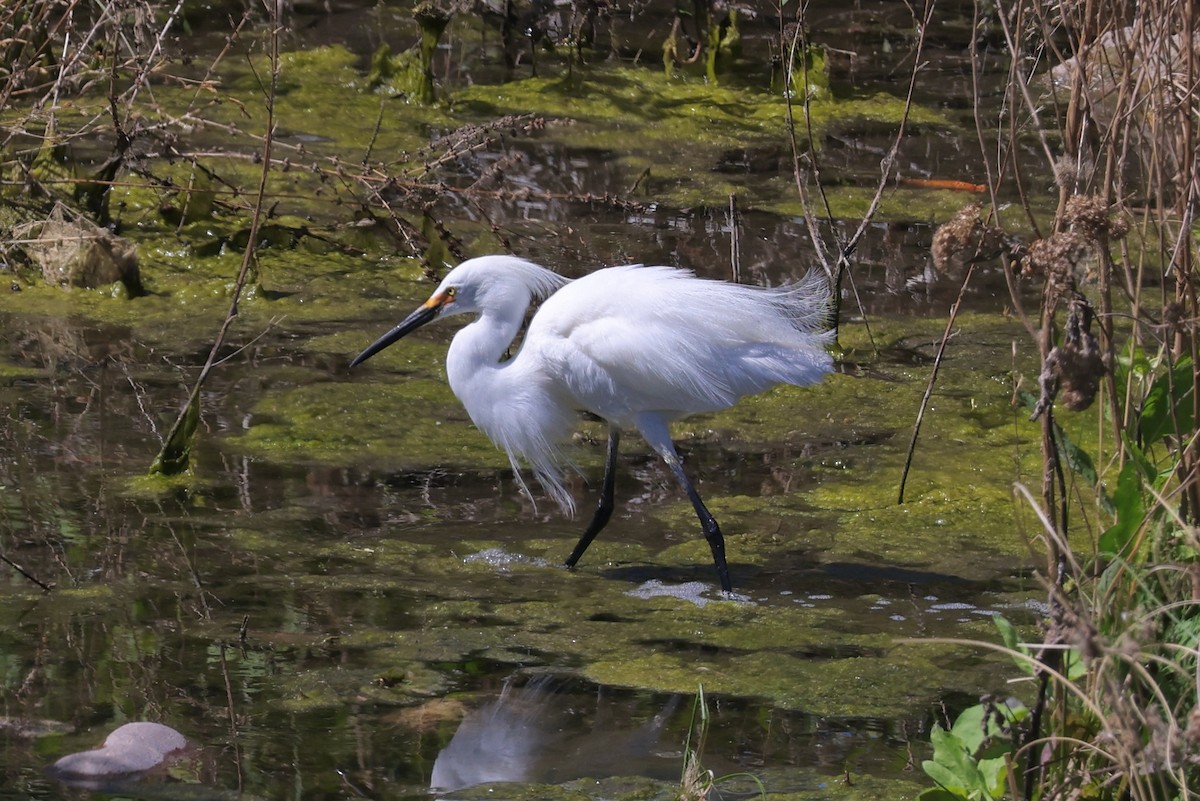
x=807 y=304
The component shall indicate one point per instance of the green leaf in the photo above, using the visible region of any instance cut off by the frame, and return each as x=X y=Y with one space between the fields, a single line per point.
x=1129 y=367
x=1008 y=635
x=969 y=727
x=1073 y=666
x=993 y=750
x=1075 y=457
x=940 y=794
x=1168 y=401
x=951 y=766
x=1130 y=507
x=1135 y=454
x=947 y=778
x=994 y=773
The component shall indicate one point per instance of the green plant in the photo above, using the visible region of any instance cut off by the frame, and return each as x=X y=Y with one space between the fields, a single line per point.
x=972 y=760
x=696 y=782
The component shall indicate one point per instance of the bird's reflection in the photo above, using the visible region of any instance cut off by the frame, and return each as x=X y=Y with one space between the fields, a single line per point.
x=543 y=732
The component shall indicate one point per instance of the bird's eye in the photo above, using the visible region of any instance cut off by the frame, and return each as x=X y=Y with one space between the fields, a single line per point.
x=451 y=292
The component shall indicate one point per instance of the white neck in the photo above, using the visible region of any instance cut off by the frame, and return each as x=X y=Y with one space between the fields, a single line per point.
x=518 y=404
x=485 y=385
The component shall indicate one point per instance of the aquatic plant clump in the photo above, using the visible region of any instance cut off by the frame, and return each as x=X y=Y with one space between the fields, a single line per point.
x=1115 y=710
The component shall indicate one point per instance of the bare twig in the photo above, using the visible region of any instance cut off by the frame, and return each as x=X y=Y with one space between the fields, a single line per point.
x=45 y=587
x=175 y=454
x=937 y=363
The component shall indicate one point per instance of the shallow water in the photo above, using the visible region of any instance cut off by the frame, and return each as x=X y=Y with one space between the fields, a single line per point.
x=320 y=628
x=350 y=597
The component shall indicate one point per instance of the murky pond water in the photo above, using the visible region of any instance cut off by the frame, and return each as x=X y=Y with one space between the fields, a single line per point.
x=350 y=597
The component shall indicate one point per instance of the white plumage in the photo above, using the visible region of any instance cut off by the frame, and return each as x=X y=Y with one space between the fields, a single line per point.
x=636 y=346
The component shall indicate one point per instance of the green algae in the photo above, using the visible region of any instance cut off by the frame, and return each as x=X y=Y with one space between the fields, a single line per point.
x=678 y=128
x=755 y=651
x=154 y=485
x=12 y=372
x=404 y=683
x=829 y=659
x=410 y=74
x=851 y=687
x=189 y=295
x=414 y=423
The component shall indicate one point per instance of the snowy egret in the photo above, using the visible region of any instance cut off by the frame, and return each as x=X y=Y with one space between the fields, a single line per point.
x=636 y=346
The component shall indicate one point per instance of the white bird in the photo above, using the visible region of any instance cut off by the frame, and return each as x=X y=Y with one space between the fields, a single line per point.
x=636 y=346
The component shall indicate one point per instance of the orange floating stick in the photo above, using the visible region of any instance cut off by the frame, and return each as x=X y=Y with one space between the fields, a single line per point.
x=943 y=183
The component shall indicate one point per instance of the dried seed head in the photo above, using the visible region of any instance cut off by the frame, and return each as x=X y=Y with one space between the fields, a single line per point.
x=1192 y=733
x=1173 y=313
x=1074 y=368
x=1088 y=215
x=966 y=238
x=1081 y=364
x=1060 y=258
x=1065 y=171
x=1079 y=374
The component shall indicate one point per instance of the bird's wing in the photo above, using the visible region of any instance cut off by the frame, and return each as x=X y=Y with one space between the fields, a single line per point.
x=647 y=366
x=625 y=341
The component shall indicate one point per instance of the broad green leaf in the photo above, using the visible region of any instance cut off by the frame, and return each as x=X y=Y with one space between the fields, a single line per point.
x=1130 y=510
x=947 y=778
x=1008 y=635
x=940 y=794
x=1076 y=458
x=994 y=773
x=1169 y=400
x=969 y=727
x=1134 y=453
x=951 y=766
x=1073 y=666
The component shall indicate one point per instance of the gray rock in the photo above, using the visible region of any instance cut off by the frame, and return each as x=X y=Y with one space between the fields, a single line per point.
x=132 y=748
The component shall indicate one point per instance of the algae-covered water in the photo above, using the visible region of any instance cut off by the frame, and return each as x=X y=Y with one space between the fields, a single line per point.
x=348 y=596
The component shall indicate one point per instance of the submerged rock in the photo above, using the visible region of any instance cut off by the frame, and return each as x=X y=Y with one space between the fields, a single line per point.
x=132 y=748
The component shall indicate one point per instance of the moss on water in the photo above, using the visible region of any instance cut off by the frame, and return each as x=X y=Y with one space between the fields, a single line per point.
x=851 y=687
x=678 y=129
x=11 y=372
x=406 y=682
x=189 y=295
x=836 y=658
x=151 y=486
x=637 y=110
x=416 y=422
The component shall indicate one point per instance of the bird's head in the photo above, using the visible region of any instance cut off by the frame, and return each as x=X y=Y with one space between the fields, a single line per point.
x=499 y=284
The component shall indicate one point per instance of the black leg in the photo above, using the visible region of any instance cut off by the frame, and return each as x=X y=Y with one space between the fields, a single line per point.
x=712 y=532
x=604 y=508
